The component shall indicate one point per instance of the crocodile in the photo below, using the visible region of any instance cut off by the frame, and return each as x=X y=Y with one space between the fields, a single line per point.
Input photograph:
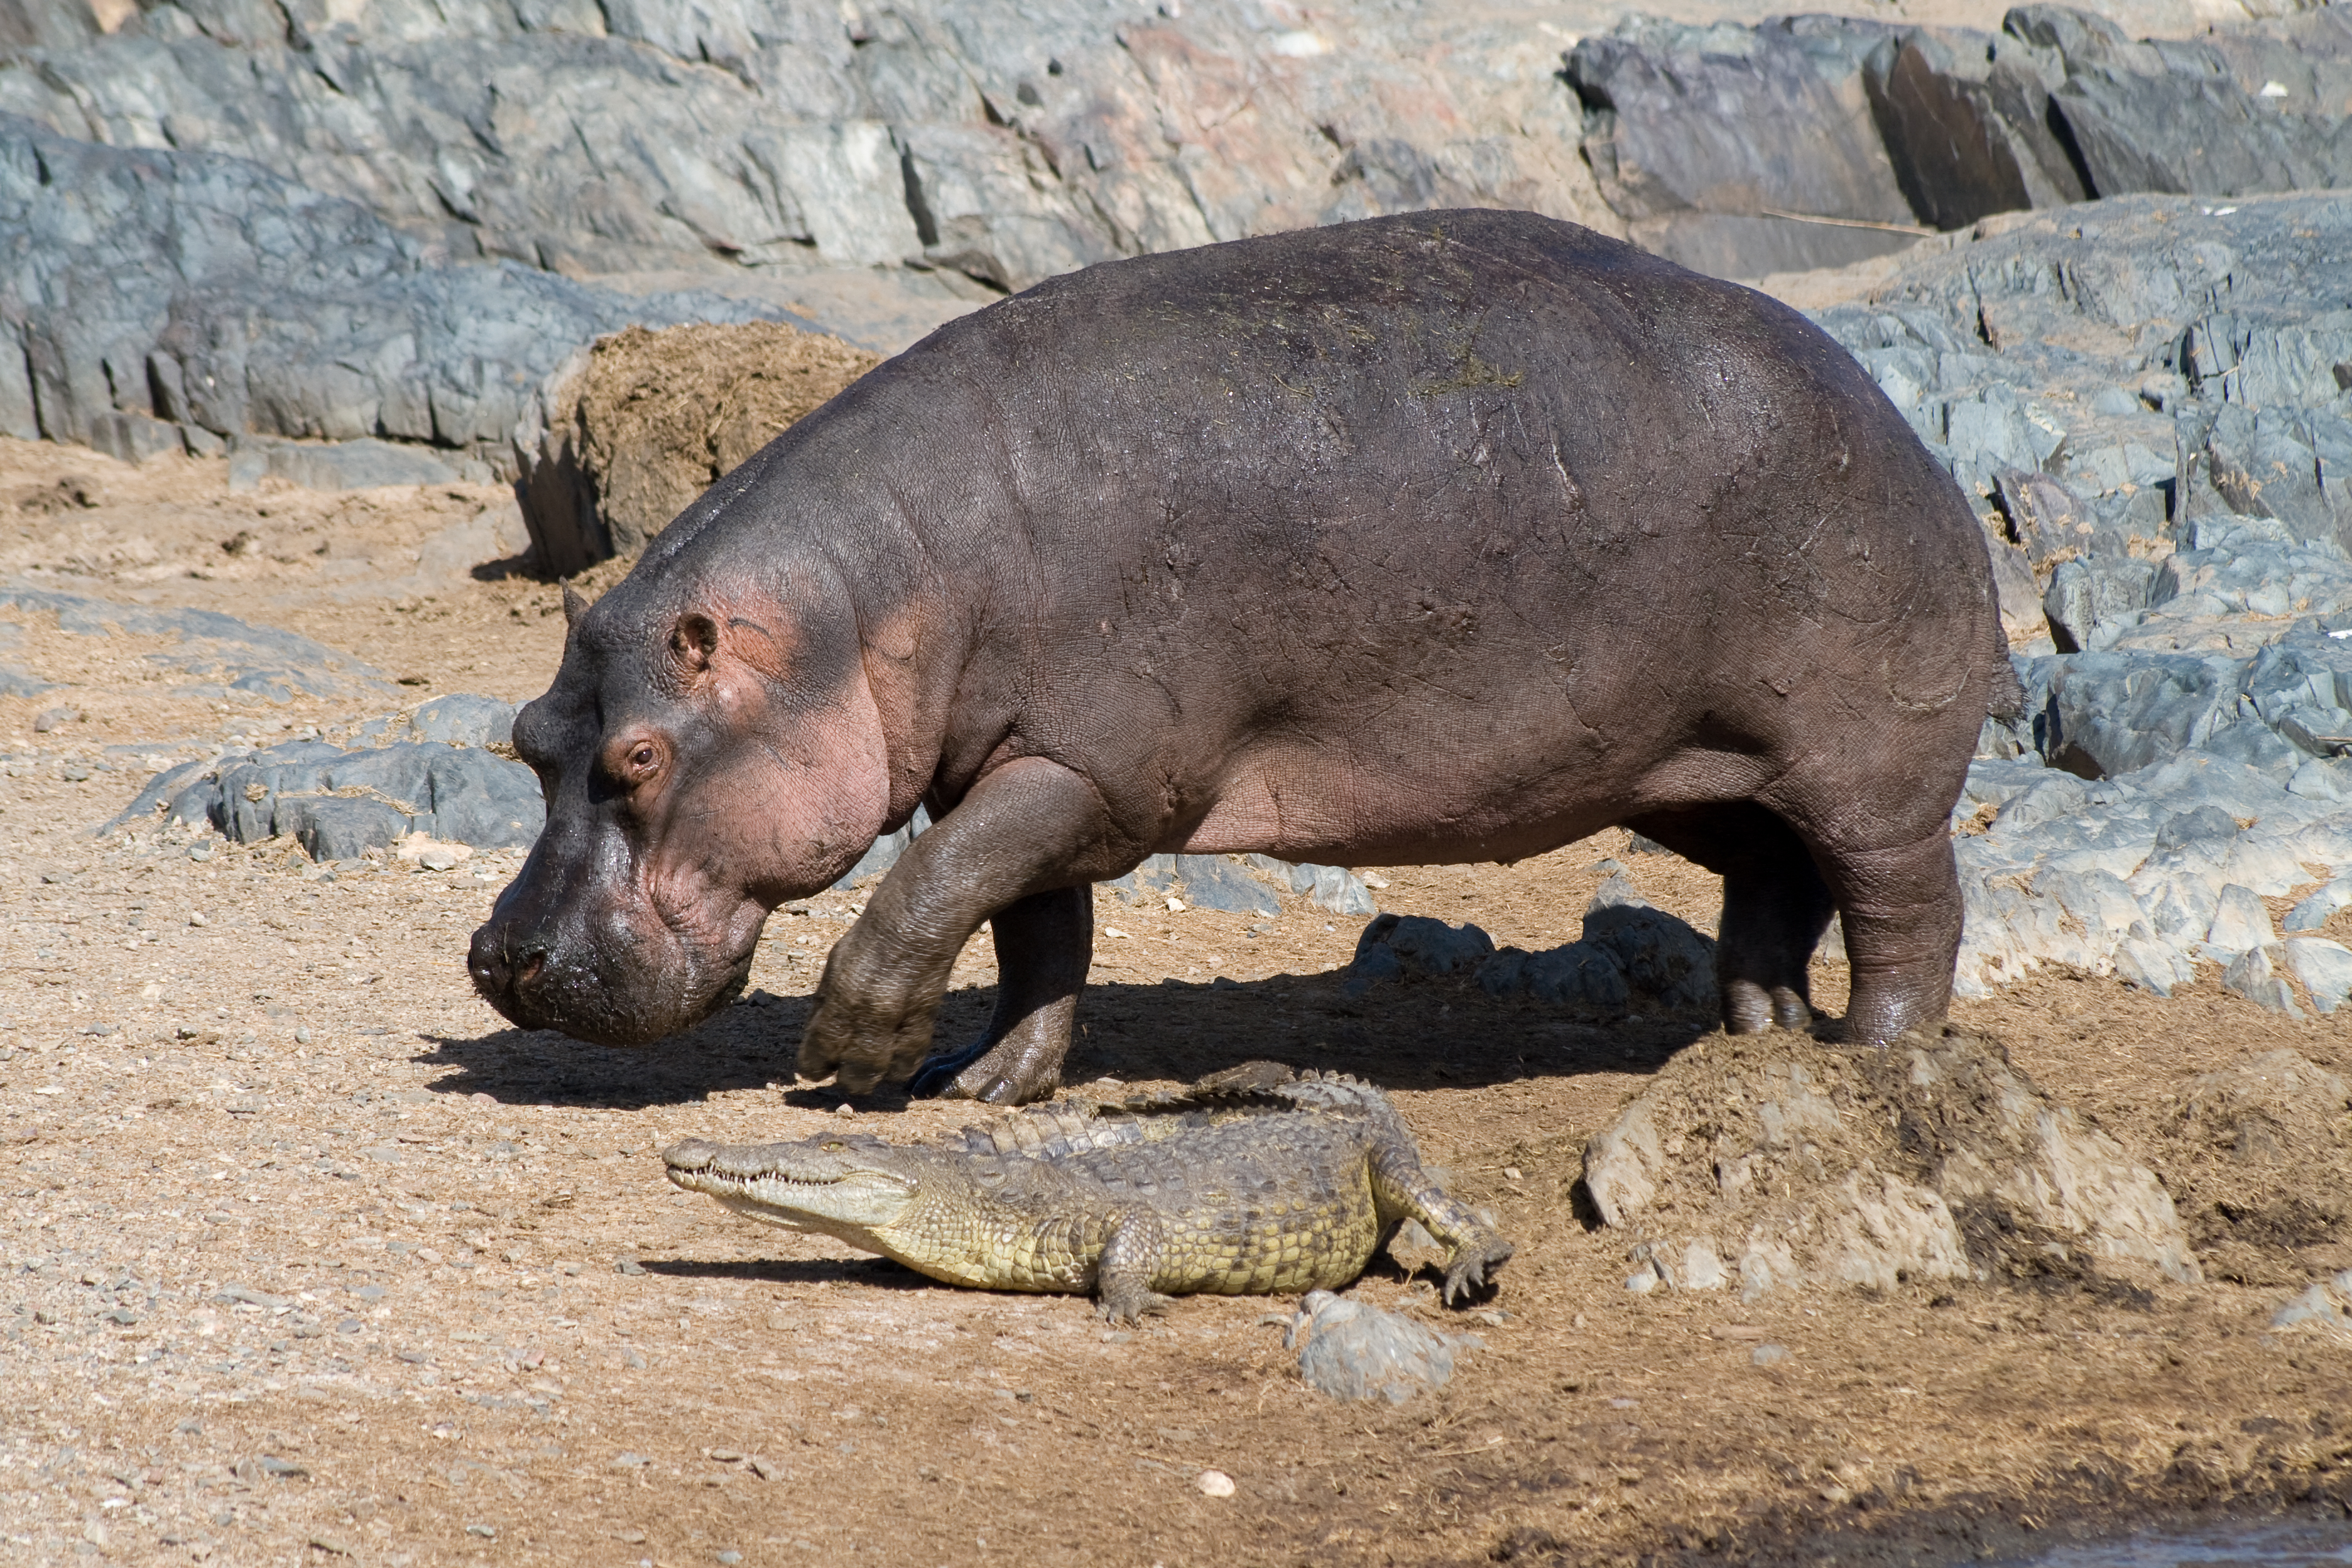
x=1254 y=1180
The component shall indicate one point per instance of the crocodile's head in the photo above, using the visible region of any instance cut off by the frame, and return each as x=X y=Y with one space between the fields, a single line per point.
x=846 y=1182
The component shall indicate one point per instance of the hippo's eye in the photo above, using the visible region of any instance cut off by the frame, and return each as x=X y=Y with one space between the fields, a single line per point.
x=641 y=759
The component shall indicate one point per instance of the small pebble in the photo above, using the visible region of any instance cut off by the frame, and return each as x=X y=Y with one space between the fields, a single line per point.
x=1769 y=1355
x=1213 y=1483
x=196 y=918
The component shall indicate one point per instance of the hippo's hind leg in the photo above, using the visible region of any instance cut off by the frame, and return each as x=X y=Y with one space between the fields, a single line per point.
x=1901 y=908
x=1044 y=943
x=1775 y=907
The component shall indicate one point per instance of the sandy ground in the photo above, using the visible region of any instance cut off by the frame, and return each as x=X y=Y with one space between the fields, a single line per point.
x=311 y=1257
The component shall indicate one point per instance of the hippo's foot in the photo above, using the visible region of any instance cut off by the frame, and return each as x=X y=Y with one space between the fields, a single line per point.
x=1014 y=1071
x=936 y=1079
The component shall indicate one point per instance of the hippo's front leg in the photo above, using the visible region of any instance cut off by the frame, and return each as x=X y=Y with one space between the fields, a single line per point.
x=1043 y=944
x=1026 y=841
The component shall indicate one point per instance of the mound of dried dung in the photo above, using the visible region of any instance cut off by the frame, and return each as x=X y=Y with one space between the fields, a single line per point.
x=1783 y=1163
x=2258 y=1155
x=640 y=425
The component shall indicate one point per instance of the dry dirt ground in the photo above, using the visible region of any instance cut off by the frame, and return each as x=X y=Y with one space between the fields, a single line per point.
x=308 y=1257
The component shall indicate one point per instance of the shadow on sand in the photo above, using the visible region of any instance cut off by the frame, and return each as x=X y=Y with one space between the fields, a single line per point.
x=1410 y=1035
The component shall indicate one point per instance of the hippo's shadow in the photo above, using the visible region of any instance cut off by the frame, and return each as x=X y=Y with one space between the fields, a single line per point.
x=1406 y=1033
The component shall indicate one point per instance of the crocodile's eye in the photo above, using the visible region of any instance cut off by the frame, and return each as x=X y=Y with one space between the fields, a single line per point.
x=835 y=1144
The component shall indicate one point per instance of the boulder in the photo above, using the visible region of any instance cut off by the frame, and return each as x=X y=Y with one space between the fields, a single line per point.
x=1933 y=1160
x=338 y=802
x=1741 y=151
x=1350 y=1349
x=1393 y=946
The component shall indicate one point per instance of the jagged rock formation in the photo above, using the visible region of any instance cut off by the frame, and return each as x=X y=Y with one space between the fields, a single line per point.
x=2152 y=399
x=227 y=218
x=1816 y=141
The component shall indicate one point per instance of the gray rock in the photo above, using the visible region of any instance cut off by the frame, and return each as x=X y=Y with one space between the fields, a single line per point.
x=1716 y=144
x=2324 y=969
x=1580 y=974
x=2093 y=601
x=464 y=719
x=1200 y=881
x=1967 y=123
x=338 y=803
x=162 y=791
x=137 y=272
x=363 y=464
x=331 y=827
x=2251 y=976
x=2170 y=116
x=2313 y=1307
x=1663 y=958
x=1353 y=1350
x=2315 y=909
x=1395 y=946
x=1333 y=888
x=134 y=438
x=2240 y=922
x=2152 y=966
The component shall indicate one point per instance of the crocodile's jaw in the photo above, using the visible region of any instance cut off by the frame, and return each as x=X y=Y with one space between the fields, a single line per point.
x=800 y=1186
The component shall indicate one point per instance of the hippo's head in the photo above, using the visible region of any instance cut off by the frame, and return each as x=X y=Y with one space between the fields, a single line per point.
x=707 y=750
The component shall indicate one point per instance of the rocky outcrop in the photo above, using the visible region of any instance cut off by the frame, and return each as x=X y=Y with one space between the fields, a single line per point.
x=430 y=772
x=2144 y=394
x=224 y=221
x=163 y=298
x=1812 y=141
x=1774 y=1164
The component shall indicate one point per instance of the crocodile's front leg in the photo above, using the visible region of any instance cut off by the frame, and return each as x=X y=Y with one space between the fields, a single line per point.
x=1030 y=828
x=1402 y=1190
x=1133 y=1259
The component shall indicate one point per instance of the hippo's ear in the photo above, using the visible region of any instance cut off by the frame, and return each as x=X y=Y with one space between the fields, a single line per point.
x=574 y=607
x=694 y=642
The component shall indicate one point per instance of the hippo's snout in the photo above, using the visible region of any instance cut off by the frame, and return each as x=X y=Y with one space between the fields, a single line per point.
x=615 y=993
x=504 y=968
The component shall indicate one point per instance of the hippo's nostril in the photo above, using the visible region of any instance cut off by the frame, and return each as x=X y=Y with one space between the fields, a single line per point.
x=529 y=970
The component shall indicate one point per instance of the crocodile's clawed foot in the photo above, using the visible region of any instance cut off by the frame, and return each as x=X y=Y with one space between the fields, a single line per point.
x=1132 y=1306
x=1470 y=1272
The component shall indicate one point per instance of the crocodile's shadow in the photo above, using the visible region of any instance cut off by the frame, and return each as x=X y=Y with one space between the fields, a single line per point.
x=1418 y=1034
x=875 y=1273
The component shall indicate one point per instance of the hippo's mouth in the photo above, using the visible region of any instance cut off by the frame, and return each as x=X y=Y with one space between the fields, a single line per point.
x=605 y=998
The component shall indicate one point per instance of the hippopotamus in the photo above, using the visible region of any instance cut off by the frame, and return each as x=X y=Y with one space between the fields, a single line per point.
x=1436 y=538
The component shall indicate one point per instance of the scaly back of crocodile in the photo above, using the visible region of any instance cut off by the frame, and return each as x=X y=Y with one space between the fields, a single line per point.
x=1254 y=1089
